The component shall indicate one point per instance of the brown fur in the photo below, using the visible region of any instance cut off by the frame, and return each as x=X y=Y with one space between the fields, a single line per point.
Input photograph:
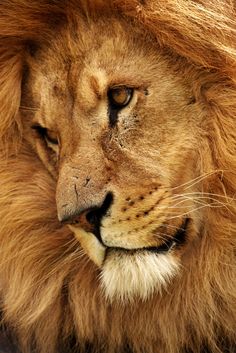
x=49 y=290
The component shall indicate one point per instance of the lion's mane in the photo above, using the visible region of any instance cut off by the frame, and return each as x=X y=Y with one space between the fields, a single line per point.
x=48 y=293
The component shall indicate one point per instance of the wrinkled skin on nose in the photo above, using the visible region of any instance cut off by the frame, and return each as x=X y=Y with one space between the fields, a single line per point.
x=80 y=187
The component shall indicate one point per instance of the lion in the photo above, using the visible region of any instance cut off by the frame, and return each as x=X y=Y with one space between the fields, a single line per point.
x=118 y=174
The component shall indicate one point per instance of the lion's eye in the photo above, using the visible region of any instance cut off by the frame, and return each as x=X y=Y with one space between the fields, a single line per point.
x=49 y=135
x=119 y=97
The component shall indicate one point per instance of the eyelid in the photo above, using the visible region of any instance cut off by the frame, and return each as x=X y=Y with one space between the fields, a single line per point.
x=43 y=132
x=49 y=137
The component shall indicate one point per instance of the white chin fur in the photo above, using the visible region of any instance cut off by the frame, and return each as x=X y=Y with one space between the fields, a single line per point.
x=126 y=277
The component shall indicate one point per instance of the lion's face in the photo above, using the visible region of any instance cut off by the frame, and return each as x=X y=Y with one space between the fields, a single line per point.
x=118 y=129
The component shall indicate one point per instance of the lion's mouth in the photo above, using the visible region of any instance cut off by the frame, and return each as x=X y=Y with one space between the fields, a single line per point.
x=177 y=240
x=98 y=251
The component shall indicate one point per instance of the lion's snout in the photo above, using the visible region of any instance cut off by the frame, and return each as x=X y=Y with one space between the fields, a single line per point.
x=81 y=197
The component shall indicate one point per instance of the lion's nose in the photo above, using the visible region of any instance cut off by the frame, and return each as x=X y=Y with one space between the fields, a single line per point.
x=90 y=218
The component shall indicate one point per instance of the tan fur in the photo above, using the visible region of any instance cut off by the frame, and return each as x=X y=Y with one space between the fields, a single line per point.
x=174 y=156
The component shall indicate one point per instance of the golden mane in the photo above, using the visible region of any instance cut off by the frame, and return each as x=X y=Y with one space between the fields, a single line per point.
x=39 y=274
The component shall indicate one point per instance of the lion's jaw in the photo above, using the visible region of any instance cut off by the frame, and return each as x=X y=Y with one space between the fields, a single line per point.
x=126 y=275
x=138 y=249
x=100 y=150
x=136 y=254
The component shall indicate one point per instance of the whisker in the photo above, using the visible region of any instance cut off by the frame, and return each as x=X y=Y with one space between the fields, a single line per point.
x=196 y=180
x=76 y=255
x=163 y=236
x=173 y=227
x=188 y=212
x=209 y=194
x=26 y=250
x=33 y=109
x=197 y=196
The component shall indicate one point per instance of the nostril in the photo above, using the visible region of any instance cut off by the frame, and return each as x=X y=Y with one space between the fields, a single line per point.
x=106 y=204
x=90 y=218
x=95 y=215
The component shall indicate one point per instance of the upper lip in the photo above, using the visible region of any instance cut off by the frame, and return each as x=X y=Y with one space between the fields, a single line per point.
x=178 y=239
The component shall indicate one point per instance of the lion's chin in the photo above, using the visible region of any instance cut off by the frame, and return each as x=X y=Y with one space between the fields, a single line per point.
x=126 y=277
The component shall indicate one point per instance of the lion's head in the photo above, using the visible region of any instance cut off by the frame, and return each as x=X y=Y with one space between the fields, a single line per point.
x=119 y=181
